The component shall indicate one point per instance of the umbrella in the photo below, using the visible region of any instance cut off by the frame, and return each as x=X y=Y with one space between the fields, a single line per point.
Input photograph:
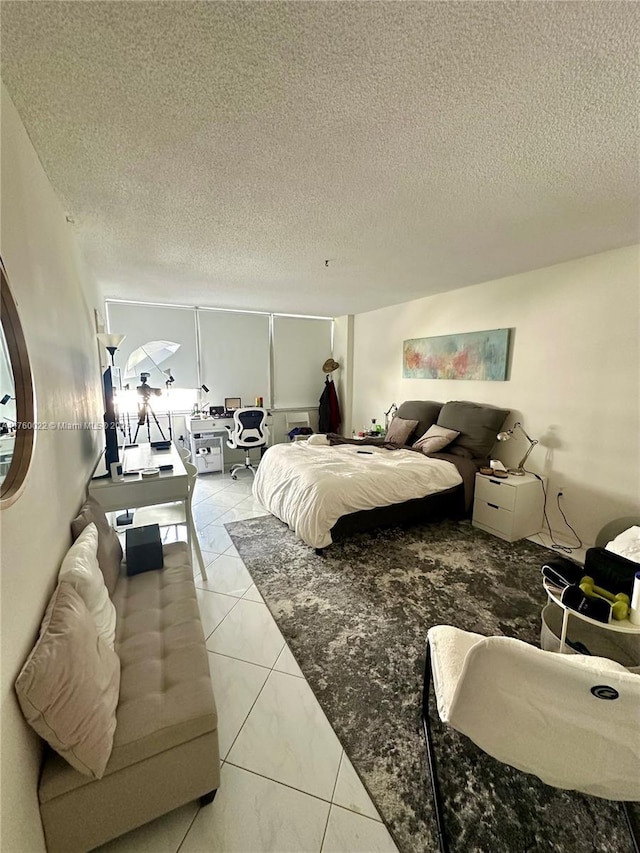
x=149 y=355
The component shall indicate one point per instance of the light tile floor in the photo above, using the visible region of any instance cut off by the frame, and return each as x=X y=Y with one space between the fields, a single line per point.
x=286 y=782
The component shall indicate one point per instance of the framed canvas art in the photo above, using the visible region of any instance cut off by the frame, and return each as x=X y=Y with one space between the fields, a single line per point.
x=469 y=355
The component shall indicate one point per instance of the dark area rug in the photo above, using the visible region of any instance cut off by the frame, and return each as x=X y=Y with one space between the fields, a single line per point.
x=356 y=621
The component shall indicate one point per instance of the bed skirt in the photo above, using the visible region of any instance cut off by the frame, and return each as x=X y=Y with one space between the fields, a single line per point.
x=441 y=505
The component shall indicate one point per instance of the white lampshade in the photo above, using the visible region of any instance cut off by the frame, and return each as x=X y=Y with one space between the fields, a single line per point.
x=110 y=341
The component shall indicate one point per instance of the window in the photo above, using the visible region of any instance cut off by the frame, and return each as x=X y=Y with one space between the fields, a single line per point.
x=301 y=345
x=142 y=324
x=234 y=355
x=243 y=354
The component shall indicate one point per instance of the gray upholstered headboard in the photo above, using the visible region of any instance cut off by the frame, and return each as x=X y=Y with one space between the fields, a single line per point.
x=477 y=423
x=424 y=411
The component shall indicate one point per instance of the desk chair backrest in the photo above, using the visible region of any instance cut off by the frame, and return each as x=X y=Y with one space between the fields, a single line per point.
x=249 y=428
x=572 y=720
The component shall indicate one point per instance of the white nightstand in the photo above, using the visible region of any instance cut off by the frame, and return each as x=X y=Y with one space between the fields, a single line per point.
x=509 y=508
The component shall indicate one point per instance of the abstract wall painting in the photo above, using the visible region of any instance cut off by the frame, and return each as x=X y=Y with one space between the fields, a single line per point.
x=470 y=355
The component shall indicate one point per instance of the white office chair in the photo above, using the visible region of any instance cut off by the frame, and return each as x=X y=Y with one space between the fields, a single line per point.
x=571 y=720
x=249 y=430
x=297 y=419
x=173 y=514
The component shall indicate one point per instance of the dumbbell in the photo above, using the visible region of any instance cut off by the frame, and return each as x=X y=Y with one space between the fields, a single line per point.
x=619 y=601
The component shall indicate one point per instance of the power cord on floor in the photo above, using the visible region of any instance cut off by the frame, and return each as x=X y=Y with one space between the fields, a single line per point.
x=556 y=546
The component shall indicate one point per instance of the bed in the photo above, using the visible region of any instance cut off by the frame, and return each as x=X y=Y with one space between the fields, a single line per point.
x=327 y=492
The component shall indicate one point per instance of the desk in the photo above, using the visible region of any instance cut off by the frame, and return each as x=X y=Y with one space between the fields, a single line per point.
x=623 y=626
x=206 y=437
x=133 y=491
x=210 y=435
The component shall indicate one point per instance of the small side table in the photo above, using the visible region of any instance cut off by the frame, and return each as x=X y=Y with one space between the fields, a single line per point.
x=623 y=626
x=509 y=508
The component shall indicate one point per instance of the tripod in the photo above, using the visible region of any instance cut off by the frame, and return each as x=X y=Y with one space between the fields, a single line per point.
x=143 y=417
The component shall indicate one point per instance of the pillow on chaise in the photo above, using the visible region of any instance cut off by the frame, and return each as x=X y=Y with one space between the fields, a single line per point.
x=80 y=568
x=434 y=439
x=109 y=547
x=68 y=688
x=399 y=430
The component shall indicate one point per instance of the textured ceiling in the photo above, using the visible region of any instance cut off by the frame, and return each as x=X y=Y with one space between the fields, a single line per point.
x=217 y=153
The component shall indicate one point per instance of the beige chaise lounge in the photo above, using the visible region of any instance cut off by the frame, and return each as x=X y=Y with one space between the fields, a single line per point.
x=165 y=750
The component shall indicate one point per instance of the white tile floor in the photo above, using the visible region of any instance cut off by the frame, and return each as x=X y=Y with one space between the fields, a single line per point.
x=286 y=783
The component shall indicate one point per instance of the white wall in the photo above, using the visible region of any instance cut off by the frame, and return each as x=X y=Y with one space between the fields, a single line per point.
x=56 y=304
x=574 y=376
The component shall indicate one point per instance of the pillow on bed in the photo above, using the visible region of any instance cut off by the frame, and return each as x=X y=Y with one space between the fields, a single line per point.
x=435 y=438
x=319 y=438
x=424 y=411
x=478 y=424
x=399 y=430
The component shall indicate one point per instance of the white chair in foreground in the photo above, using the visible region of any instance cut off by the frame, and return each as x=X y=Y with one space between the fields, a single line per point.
x=249 y=430
x=185 y=453
x=173 y=514
x=571 y=720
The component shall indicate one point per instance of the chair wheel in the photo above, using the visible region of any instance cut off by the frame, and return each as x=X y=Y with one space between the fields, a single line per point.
x=234 y=477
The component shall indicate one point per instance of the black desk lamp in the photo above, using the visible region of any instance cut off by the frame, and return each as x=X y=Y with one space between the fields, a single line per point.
x=4 y=429
x=206 y=391
x=389 y=415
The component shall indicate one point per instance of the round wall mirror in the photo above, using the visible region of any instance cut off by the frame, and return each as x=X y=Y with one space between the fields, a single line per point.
x=16 y=399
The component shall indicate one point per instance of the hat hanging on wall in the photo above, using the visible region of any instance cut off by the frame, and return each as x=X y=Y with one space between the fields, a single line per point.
x=330 y=365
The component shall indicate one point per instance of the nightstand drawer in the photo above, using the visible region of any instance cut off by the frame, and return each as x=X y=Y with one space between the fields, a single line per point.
x=493 y=516
x=494 y=491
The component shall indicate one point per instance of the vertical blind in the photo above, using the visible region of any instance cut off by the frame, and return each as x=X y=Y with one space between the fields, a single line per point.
x=144 y=323
x=234 y=353
x=301 y=345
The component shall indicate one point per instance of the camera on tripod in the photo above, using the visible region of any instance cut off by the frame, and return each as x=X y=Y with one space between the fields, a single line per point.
x=146 y=391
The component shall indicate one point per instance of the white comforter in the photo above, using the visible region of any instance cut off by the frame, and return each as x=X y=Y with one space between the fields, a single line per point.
x=309 y=486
